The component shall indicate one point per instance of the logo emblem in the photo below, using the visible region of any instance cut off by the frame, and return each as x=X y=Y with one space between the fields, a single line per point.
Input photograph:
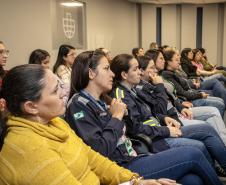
x=78 y=115
x=68 y=25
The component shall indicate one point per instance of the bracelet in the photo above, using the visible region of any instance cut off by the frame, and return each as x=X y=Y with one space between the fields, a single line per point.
x=135 y=180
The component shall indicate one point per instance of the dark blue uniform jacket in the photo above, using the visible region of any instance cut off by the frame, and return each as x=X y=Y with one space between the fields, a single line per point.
x=94 y=124
x=140 y=115
x=156 y=97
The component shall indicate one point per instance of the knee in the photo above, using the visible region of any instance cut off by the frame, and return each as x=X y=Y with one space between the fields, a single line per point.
x=207 y=130
x=191 y=179
x=215 y=110
x=191 y=153
x=199 y=145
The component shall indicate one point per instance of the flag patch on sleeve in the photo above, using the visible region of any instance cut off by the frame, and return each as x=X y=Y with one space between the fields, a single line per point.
x=78 y=115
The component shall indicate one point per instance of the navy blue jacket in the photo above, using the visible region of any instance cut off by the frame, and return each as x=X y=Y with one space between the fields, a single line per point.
x=139 y=113
x=156 y=97
x=96 y=127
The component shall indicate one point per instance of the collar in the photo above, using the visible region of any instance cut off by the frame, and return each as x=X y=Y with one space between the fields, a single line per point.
x=99 y=103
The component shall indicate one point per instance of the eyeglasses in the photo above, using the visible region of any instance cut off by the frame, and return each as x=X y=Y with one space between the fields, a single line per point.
x=4 y=52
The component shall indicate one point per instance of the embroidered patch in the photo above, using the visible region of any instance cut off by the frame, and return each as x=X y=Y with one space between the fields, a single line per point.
x=78 y=115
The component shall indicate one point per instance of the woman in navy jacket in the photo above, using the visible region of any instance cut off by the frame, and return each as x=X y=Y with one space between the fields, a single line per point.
x=127 y=76
x=102 y=128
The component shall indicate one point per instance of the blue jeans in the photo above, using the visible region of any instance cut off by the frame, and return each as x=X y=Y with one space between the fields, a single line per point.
x=207 y=115
x=211 y=140
x=215 y=86
x=179 y=142
x=219 y=76
x=187 y=165
x=211 y=101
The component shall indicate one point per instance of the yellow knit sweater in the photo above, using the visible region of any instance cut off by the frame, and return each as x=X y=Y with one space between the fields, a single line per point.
x=38 y=154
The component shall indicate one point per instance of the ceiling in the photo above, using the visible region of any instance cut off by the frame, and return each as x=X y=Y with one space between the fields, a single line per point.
x=178 y=1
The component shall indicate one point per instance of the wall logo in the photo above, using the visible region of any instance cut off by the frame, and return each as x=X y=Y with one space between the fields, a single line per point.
x=68 y=25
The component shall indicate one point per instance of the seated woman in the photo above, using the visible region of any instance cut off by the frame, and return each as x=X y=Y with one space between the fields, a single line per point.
x=193 y=63
x=137 y=52
x=182 y=87
x=208 y=66
x=197 y=62
x=103 y=129
x=191 y=74
x=151 y=90
x=127 y=76
x=4 y=53
x=39 y=148
x=159 y=60
x=40 y=56
x=65 y=59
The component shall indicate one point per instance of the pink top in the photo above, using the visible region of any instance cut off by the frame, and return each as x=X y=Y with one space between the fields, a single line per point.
x=198 y=65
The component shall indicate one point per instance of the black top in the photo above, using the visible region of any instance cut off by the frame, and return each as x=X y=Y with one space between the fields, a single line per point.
x=181 y=86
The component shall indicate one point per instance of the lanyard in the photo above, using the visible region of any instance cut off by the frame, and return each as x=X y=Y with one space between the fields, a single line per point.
x=100 y=104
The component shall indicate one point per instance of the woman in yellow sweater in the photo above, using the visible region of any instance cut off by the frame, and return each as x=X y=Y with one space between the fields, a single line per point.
x=39 y=148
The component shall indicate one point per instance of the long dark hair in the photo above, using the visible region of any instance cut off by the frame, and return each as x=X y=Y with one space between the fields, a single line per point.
x=80 y=70
x=22 y=83
x=63 y=51
x=168 y=55
x=195 y=51
x=153 y=54
x=119 y=64
x=143 y=62
x=184 y=54
x=37 y=56
x=135 y=52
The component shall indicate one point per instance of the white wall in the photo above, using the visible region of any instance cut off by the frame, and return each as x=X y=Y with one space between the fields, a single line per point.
x=26 y=25
x=112 y=24
x=224 y=39
x=148 y=25
x=188 y=26
x=169 y=25
x=182 y=31
x=169 y=34
x=210 y=31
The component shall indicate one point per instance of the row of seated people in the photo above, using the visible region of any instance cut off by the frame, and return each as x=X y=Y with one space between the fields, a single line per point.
x=194 y=78
x=38 y=147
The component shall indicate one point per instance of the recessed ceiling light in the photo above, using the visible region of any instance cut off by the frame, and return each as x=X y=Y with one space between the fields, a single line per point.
x=71 y=4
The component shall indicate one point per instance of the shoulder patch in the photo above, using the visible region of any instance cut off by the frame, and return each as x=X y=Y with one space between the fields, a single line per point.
x=83 y=100
x=78 y=115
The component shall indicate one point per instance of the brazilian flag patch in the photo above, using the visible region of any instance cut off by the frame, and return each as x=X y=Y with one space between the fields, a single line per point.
x=78 y=115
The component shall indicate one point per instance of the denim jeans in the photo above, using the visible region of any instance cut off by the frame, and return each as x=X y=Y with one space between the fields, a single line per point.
x=219 y=76
x=210 y=138
x=207 y=115
x=179 y=142
x=187 y=165
x=216 y=87
x=211 y=101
